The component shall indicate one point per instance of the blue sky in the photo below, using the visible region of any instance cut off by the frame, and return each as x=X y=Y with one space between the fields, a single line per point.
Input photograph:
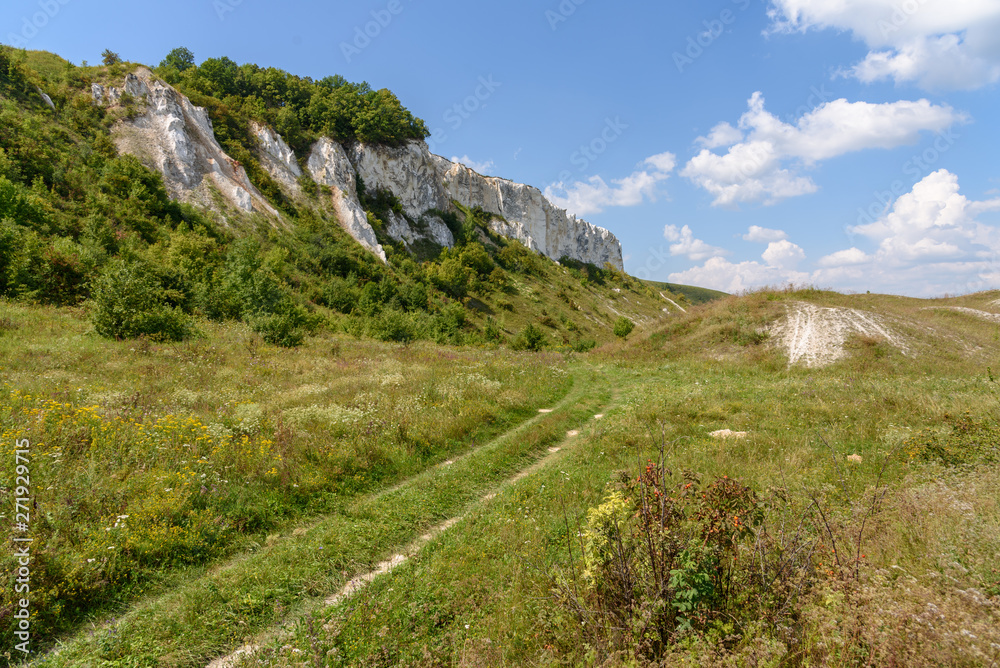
x=848 y=144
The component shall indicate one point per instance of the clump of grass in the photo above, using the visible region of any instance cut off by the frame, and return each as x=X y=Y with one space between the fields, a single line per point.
x=670 y=558
x=957 y=441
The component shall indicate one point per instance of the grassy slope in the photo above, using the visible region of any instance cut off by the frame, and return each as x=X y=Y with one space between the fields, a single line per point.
x=693 y=294
x=481 y=595
x=571 y=312
x=247 y=438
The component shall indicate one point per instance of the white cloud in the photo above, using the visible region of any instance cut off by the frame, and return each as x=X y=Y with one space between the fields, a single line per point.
x=931 y=242
x=761 y=167
x=845 y=258
x=939 y=44
x=662 y=162
x=594 y=195
x=721 y=274
x=481 y=167
x=764 y=235
x=780 y=260
x=783 y=254
x=686 y=244
x=723 y=134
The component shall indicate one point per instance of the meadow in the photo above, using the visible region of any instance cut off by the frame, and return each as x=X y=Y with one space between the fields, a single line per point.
x=856 y=522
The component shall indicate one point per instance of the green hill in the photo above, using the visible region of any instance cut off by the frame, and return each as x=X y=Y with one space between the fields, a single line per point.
x=692 y=294
x=81 y=224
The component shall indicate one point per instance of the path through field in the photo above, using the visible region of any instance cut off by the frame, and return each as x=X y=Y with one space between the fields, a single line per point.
x=256 y=595
x=395 y=561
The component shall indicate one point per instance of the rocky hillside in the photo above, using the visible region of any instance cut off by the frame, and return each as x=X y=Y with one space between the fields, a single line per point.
x=169 y=133
x=163 y=200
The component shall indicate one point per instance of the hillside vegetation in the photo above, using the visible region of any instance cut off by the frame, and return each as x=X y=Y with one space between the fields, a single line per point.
x=82 y=225
x=200 y=496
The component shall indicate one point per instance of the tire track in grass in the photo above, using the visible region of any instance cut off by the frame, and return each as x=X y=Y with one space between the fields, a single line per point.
x=231 y=603
x=359 y=582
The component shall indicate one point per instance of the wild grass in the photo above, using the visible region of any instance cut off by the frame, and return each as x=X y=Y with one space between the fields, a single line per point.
x=900 y=568
x=874 y=480
x=153 y=457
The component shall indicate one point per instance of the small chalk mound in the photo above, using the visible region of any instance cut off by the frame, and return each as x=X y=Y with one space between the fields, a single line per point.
x=728 y=433
x=573 y=433
x=816 y=335
x=554 y=450
x=599 y=416
x=448 y=463
x=544 y=410
x=855 y=459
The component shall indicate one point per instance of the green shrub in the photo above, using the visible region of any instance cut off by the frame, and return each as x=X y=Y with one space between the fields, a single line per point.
x=341 y=294
x=475 y=257
x=392 y=325
x=623 y=327
x=516 y=257
x=451 y=277
x=669 y=556
x=284 y=327
x=128 y=302
x=449 y=322
x=530 y=338
x=493 y=331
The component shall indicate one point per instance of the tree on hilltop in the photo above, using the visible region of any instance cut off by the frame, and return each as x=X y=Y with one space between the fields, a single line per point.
x=180 y=59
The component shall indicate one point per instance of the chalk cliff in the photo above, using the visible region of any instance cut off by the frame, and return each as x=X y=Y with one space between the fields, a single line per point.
x=423 y=181
x=176 y=137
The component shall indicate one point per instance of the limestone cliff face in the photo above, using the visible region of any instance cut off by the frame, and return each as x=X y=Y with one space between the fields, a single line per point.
x=329 y=166
x=530 y=217
x=277 y=158
x=176 y=137
x=424 y=182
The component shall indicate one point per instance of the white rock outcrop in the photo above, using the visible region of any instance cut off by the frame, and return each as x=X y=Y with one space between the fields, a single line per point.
x=277 y=157
x=46 y=99
x=422 y=182
x=176 y=138
x=329 y=166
